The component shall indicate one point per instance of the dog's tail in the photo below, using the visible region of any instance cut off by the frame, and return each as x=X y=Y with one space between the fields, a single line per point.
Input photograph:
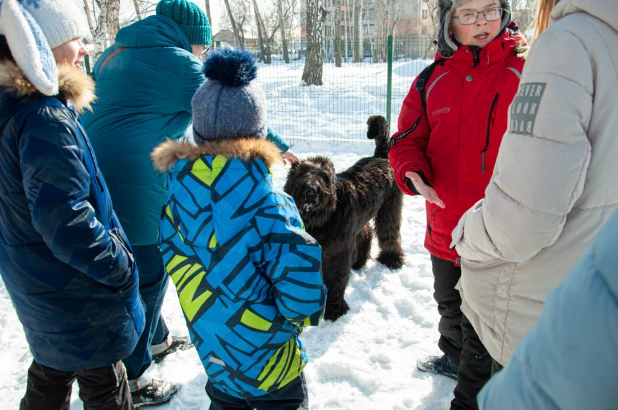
x=378 y=130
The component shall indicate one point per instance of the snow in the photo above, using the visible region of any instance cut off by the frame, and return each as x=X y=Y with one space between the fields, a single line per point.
x=336 y=111
x=364 y=361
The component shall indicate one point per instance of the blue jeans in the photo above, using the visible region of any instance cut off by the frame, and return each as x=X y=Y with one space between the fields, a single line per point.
x=152 y=286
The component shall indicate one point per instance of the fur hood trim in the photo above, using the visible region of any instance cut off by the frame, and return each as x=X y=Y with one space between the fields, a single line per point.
x=73 y=84
x=168 y=153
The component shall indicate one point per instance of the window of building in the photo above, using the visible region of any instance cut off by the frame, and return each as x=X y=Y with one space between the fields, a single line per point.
x=424 y=13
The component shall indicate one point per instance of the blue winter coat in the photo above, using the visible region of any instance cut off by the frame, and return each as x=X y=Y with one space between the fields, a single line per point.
x=248 y=276
x=143 y=97
x=64 y=258
x=569 y=360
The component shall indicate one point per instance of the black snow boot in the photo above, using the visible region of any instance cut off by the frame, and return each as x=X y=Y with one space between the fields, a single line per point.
x=156 y=393
x=438 y=365
x=178 y=343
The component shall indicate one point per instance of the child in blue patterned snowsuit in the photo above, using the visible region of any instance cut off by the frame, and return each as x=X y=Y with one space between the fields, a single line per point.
x=247 y=274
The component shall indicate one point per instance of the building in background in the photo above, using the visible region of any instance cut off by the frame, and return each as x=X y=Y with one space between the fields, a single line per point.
x=408 y=21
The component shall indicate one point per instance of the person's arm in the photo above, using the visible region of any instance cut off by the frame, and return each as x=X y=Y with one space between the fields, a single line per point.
x=541 y=168
x=408 y=146
x=293 y=262
x=57 y=186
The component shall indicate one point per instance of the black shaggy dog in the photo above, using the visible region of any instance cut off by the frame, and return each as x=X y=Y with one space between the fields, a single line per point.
x=337 y=209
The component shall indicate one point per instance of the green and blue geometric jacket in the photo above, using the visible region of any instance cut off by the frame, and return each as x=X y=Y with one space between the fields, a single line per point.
x=247 y=274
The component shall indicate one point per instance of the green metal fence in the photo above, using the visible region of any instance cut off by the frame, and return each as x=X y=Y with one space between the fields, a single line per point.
x=336 y=112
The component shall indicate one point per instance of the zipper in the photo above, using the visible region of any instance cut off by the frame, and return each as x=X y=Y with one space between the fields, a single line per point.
x=475 y=56
x=491 y=111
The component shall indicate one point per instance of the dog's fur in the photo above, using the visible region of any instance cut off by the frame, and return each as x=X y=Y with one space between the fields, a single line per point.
x=337 y=209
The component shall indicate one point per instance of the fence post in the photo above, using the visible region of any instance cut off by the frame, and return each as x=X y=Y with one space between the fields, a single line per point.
x=389 y=83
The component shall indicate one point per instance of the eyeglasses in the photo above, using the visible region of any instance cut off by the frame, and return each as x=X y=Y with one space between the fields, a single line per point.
x=471 y=17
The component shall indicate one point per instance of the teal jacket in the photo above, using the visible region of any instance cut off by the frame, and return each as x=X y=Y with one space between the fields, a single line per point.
x=144 y=97
x=248 y=276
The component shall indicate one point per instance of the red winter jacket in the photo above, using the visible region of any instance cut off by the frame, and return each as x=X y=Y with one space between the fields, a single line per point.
x=455 y=143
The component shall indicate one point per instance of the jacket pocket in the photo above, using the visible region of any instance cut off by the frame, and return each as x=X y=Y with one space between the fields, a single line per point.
x=114 y=233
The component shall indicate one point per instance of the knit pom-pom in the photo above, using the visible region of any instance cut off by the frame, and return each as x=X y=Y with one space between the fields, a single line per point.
x=231 y=67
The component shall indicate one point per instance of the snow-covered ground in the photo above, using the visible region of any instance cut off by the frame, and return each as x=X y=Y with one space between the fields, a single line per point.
x=364 y=361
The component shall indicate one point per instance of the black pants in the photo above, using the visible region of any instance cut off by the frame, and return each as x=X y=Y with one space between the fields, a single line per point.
x=102 y=388
x=292 y=396
x=446 y=275
x=458 y=340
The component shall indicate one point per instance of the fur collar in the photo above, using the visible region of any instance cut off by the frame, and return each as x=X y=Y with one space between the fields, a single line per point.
x=73 y=84
x=166 y=154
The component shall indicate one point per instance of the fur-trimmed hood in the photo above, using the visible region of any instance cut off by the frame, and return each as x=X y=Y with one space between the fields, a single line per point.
x=237 y=170
x=73 y=84
x=168 y=153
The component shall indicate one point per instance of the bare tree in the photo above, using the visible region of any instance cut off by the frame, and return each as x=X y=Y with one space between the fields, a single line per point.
x=284 y=43
x=356 y=50
x=239 y=35
x=207 y=8
x=523 y=13
x=138 y=12
x=113 y=19
x=264 y=44
x=387 y=14
x=314 y=66
x=433 y=11
x=337 y=9
x=100 y=33
x=89 y=16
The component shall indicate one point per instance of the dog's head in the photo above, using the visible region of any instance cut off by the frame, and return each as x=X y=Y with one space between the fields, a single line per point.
x=313 y=185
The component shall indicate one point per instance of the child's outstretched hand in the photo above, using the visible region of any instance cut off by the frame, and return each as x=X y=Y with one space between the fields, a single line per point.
x=426 y=191
x=290 y=157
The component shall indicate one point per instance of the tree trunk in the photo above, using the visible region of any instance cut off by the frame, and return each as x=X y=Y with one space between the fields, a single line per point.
x=284 y=43
x=314 y=66
x=357 y=32
x=239 y=40
x=138 y=12
x=262 y=35
x=89 y=17
x=337 y=8
x=100 y=37
x=113 y=19
x=207 y=7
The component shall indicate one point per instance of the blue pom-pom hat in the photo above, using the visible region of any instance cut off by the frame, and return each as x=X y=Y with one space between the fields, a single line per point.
x=230 y=104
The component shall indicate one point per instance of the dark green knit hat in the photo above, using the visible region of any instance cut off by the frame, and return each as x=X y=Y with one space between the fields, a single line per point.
x=191 y=19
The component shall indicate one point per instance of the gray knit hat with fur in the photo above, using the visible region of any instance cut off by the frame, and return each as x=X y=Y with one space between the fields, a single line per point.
x=446 y=45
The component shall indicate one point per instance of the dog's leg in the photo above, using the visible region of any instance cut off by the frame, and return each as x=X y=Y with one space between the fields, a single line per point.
x=336 y=272
x=363 y=247
x=387 y=225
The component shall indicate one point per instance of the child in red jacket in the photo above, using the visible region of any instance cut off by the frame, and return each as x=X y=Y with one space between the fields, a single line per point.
x=450 y=128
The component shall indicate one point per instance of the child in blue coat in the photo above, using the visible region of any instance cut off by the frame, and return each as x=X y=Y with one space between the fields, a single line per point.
x=247 y=274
